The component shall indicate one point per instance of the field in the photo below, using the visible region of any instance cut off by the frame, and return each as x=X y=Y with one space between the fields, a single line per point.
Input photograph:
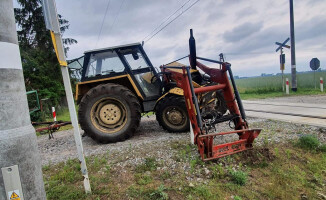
x=271 y=86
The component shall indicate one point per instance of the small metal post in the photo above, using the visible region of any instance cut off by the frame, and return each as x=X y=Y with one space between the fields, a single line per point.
x=315 y=79
x=283 y=80
x=54 y=114
x=282 y=71
x=287 y=86
x=321 y=84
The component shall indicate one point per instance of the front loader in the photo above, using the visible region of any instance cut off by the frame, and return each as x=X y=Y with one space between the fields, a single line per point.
x=218 y=80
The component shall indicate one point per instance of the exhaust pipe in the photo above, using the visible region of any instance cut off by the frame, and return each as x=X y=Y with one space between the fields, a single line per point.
x=192 y=49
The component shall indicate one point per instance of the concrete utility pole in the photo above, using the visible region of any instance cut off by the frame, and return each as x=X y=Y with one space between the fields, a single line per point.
x=20 y=163
x=293 y=64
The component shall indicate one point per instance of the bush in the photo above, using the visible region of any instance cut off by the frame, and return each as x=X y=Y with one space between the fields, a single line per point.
x=238 y=177
x=308 y=142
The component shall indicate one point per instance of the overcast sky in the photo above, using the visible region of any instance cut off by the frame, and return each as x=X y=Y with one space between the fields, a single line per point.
x=244 y=30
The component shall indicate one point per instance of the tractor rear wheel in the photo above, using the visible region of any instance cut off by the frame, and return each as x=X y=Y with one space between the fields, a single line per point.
x=172 y=114
x=109 y=113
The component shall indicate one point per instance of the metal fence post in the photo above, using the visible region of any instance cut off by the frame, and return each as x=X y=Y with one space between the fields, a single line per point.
x=321 y=84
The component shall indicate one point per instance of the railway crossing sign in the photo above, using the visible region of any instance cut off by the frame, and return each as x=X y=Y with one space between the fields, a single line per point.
x=282 y=56
x=281 y=45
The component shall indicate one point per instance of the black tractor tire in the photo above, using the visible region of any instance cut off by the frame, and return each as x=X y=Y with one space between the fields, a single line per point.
x=172 y=114
x=109 y=113
x=221 y=104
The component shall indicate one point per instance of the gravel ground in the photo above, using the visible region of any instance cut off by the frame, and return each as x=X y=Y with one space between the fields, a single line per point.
x=151 y=140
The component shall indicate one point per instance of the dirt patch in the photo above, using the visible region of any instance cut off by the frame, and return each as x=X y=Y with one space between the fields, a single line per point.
x=258 y=156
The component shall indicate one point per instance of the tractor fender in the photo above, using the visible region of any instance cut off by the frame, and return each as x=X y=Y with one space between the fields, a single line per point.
x=175 y=91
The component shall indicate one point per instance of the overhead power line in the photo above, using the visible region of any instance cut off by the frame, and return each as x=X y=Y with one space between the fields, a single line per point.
x=172 y=21
x=116 y=17
x=106 y=11
x=166 y=20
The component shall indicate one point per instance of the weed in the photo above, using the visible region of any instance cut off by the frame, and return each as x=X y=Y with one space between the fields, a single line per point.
x=46 y=167
x=265 y=140
x=276 y=152
x=322 y=148
x=201 y=191
x=165 y=175
x=62 y=191
x=217 y=171
x=132 y=191
x=237 y=198
x=308 y=142
x=159 y=193
x=195 y=162
x=288 y=154
x=238 y=177
x=150 y=164
x=143 y=179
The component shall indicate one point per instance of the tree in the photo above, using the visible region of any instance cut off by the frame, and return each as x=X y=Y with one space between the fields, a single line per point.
x=40 y=65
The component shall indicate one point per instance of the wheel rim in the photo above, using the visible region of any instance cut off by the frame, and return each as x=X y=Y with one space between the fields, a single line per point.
x=109 y=115
x=174 y=116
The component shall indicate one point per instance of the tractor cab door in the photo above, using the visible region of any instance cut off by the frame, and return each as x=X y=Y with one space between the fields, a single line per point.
x=142 y=72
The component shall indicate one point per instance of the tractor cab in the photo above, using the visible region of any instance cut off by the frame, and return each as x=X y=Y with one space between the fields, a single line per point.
x=126 y=65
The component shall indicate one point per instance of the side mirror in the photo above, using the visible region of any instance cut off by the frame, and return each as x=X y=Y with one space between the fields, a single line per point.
x=135 y=56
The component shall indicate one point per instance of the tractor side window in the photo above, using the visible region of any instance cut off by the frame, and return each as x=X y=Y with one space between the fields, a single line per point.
x=103 y=64
x=136 y=60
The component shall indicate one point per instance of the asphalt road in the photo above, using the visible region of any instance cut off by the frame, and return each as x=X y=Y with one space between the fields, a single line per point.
x=299 y=113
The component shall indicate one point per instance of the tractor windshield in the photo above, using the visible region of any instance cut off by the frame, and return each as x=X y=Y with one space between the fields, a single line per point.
x=104 y=63
x=136 y=60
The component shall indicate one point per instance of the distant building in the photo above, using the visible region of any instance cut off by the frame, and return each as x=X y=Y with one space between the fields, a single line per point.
x=264 y=74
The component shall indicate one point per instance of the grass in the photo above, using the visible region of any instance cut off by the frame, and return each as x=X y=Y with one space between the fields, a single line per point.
x=271 y=86
x=277 y=172
x=308 y=142
x=238 y=177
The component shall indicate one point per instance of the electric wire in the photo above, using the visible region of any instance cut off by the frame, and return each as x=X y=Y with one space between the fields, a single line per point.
x=172 y=21
x=116 y=17
x=106 y=11
x=166 y=20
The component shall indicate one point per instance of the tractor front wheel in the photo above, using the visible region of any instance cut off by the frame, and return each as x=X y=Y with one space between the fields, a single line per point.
x=172 y=114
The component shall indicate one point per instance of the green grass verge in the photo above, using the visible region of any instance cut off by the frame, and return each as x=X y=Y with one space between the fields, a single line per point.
x=260 y=94
x=272 y=172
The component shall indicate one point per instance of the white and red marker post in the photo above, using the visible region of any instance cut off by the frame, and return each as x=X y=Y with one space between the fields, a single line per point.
x=287 y=86
x=321 y=84
x=54 y=114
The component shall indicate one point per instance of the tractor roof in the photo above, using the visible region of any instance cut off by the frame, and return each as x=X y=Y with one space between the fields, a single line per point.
x=111 y=48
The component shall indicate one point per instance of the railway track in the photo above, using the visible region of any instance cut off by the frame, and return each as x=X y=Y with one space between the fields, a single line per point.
x=299 y=113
